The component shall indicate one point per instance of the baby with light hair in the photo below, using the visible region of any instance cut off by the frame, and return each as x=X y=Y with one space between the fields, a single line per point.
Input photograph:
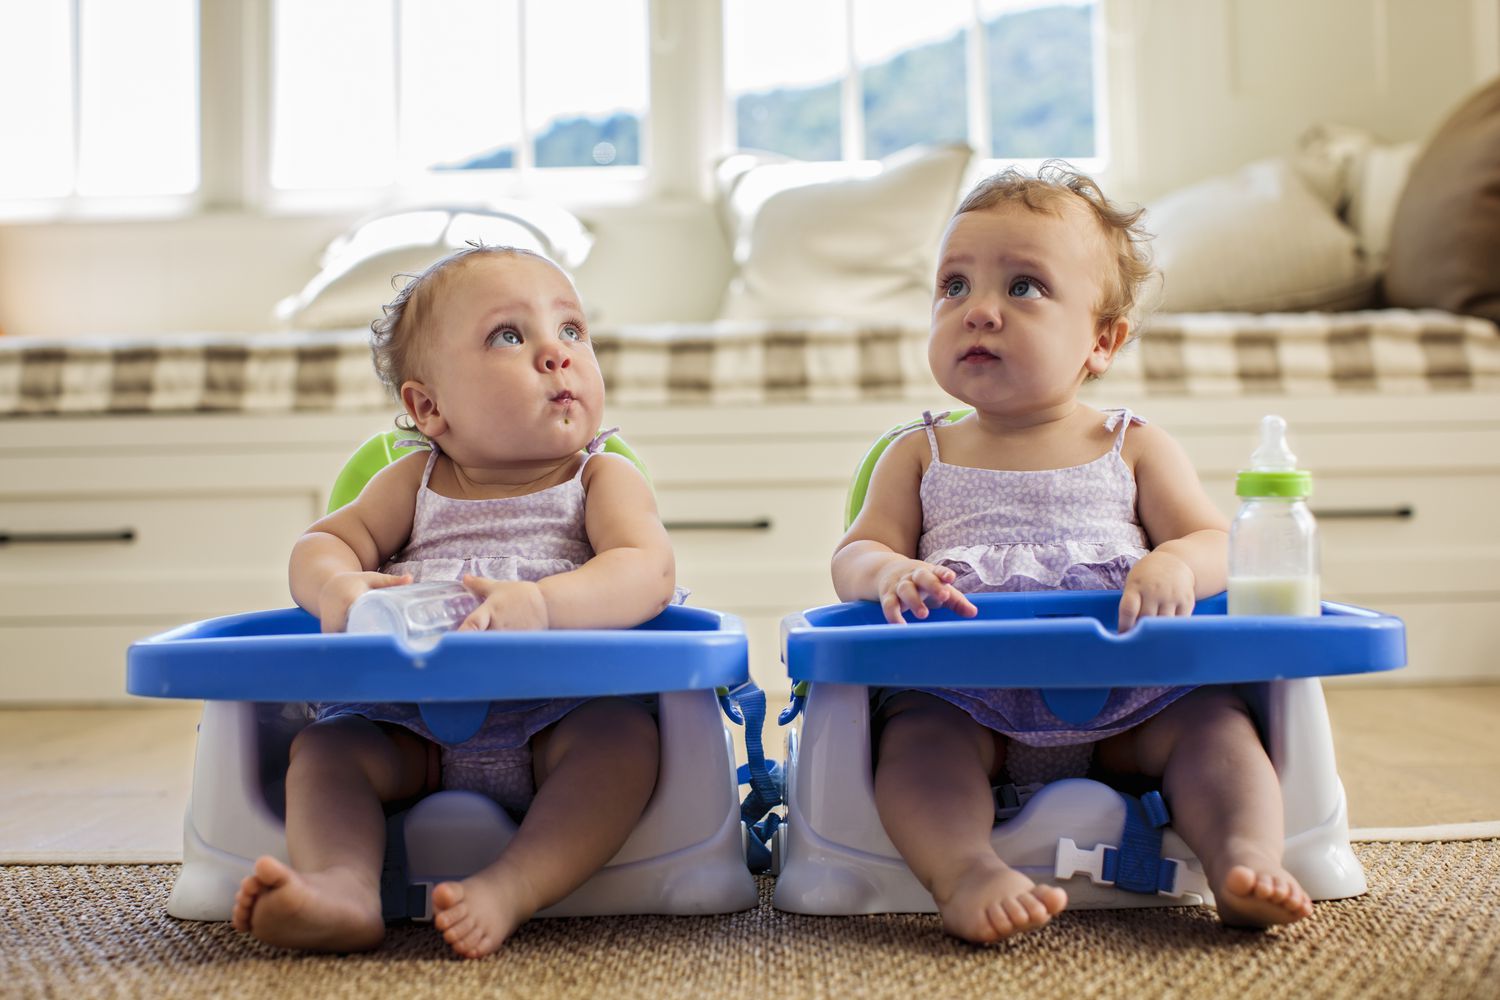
x=1036 y=289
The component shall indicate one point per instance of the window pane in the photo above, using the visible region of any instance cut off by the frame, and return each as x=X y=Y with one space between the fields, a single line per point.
x=460 y=84
x=333 y=104
x=139 y=87
x=1041 y=68
x=586 y=81
x=783 y=64
x=912 y=60
x=36 y=93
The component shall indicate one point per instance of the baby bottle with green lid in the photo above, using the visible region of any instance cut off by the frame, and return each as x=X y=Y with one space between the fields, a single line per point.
x=1273 y=542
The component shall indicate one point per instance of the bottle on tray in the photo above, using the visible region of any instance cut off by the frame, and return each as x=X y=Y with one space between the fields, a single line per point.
x=1273 y=542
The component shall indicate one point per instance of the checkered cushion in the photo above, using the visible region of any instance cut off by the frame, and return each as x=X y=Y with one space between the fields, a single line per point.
x=1185 y=354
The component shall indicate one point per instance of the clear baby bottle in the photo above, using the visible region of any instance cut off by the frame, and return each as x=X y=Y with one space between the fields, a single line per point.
x=1273 y=542
x=417 y=613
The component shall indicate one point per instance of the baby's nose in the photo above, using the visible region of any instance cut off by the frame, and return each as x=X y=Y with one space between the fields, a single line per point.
x=982 y=318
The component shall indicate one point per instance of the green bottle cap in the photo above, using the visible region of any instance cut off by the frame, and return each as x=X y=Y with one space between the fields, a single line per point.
x=1273 y=468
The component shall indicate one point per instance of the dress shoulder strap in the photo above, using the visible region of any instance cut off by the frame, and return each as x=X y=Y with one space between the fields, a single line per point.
x=929 y=423
x=595 y=447
x=597 y=444
x=1122 y=418
x=432 y=457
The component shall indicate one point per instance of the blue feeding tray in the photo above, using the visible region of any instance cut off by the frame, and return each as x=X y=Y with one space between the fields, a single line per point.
x=1066 y=643
x=281 y=656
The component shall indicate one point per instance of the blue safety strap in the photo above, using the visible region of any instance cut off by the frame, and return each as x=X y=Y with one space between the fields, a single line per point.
x=746 y=706
x=799 y=698
x=1137 y=865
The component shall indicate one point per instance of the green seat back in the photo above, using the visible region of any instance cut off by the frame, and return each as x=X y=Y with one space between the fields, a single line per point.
x=381 y=450
x=861 y=484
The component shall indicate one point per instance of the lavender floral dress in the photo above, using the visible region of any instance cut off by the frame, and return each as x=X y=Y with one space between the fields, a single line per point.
x=509 y=538
x=1055 y=529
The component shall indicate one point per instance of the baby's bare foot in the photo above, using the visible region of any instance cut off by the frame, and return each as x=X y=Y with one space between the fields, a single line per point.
x=1260 y=895
x=316 y=911
x=479 y=913
x=989 y=900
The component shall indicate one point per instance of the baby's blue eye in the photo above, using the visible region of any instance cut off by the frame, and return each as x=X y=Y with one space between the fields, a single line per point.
x=955 y=287
x=1025 y=288
x=507 y=336
x=570 y=332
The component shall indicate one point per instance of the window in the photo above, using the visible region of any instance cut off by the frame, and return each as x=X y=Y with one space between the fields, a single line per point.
x=366 y=93
x=339 y=104
x=101 y=99
x=859 y=79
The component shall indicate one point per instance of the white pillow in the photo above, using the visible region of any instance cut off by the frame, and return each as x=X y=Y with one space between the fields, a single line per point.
x=1359 y=176
x=1326 y=157
x=357 y=269
x=1379 y=179
x=814 y=241
x=1257 y=240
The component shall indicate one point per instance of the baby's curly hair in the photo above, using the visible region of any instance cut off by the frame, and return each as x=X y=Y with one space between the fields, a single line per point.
x=1056 y=183
x=396 y=337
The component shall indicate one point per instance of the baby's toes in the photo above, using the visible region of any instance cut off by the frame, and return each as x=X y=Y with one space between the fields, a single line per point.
x=1036 y=911
x=467 y=939
x=244 y=903
x=999 y=924
x=455 y=920
x=1019 y=913
x=1281 y=891
x=1053 y=898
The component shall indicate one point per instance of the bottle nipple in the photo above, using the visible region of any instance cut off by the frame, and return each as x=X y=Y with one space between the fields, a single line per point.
x=1273 y=468
x=1273 y=455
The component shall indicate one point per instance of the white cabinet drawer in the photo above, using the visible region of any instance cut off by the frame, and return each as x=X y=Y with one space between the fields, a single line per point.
x=164 y=532
x=759 y=547
x=96 y=556
x=1427 y=534
x=82 y=662
x=1447 y=641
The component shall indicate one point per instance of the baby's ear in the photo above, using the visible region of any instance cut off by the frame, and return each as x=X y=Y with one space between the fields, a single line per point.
x=1109 y=337
x=419 y=402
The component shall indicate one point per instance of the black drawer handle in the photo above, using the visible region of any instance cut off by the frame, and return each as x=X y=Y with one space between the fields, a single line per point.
x=66 y=537
x=1401 y=512
x=750 y=524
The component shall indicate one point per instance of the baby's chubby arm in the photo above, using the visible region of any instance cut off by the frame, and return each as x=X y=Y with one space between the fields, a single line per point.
x=335 y=560
x=1189 y=558
x=873 y=561
x=630 y=579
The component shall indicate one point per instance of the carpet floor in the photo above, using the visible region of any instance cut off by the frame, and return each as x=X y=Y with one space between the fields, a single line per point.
x=1429 y=927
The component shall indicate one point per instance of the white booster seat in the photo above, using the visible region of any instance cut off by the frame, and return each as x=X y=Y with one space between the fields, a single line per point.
x=257 y=672
x=1107 y=849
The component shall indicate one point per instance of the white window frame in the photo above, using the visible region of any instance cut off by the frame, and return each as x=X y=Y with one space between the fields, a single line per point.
x=86 y=207
x=851 y=97
x=689 y=126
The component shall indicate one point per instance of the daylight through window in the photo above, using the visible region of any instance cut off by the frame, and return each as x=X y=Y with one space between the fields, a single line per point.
x=860 y=79
x=370 y=92
x=101 y=98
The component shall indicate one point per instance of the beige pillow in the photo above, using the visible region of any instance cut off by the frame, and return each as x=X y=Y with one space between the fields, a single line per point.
x=861 y=245
x=1257 y=240
x=360 y=270
x=1445 y=235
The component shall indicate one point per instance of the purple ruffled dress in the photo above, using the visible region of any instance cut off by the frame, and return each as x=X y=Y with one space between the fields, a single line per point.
x=1054 y=529
x=509 y=538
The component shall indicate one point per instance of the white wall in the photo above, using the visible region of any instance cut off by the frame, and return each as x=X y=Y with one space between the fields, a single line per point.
x=1196 y=87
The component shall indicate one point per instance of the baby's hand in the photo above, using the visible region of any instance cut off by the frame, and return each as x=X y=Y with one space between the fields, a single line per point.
x=505 y=606
x=343 y=589
x=1160 y=584
x=915 y=586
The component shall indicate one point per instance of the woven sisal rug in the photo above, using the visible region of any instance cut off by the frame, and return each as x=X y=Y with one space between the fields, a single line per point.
x=1429 y=927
